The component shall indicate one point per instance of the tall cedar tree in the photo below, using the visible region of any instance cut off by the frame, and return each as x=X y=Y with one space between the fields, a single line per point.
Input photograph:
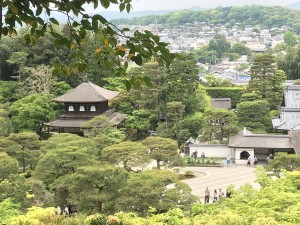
x=266 y=81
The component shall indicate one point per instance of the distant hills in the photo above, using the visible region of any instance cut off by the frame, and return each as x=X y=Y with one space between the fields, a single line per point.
x=266 y=17
x=112 y=15
x=294 y=5
x=248 y=15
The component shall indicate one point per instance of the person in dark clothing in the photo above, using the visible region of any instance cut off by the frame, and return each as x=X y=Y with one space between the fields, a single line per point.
x=195 y=154
x=228 y=194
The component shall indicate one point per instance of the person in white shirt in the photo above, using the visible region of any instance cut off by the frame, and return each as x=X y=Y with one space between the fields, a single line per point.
x=249 y=162
x=228 y=160
x=66 y=210
x=58 y=211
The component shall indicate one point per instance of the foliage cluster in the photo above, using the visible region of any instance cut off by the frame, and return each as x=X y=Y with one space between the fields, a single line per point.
x=138 y=48
x=219 y=48
x=245 y=15
x=234 y=93
x=276 y=202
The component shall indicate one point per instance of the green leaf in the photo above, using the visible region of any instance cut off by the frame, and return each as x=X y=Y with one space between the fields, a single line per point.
x=48 y=11
x=34 y=24
x=67 y=70
x=100 y=18
x=128 y=85
x=75 y=24
x=14 y=9
x=122 y=7
x=56 y=65
x=128 y=7
x=85 y=23
x=105 y=3
x=125 y=29
x=148 y=82
x=109 y=30
x=56 y=35
x=82 y=67
x=32 y=31
x=40 y=20
x=95 y=24
x=54 y=21
x=95 y=4
x=55 y=71
x=137 y=59
x=131 y=46
x=38 y=11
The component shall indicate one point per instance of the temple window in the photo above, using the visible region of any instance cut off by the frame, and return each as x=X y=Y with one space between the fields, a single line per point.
x=93 y=108
x=71 y=108
x=81 y=108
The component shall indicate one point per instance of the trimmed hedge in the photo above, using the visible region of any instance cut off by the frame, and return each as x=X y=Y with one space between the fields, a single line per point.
x=235 y=93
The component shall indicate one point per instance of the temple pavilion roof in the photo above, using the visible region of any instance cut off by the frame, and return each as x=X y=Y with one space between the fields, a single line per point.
x=87 y=92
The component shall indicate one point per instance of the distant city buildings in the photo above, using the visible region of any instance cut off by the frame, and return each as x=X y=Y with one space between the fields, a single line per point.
x=192 y=36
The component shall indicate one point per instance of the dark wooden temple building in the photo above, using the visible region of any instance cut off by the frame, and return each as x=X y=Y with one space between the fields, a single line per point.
x=83 y=103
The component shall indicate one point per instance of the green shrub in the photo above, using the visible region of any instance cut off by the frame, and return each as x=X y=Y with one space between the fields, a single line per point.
x=97 y=219
x=179 y=162
x=189 y=174
x=235 y=93
x=190 y=160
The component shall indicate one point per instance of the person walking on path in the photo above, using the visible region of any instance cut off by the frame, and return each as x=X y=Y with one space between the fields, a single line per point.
x=249 y=162
x=215 y=196
x=195 y=154
x=228 y=160
x=206 y=196
x=255 y=161
x=203 y=157
x=221 y=194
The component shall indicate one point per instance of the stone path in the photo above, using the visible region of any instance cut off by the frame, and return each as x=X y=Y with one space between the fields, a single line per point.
x=219 y=177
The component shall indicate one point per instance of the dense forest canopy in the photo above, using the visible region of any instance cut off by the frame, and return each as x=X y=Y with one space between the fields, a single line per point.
x=247 y=15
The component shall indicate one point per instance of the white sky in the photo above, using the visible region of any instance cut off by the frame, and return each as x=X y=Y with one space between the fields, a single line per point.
x=139 y=5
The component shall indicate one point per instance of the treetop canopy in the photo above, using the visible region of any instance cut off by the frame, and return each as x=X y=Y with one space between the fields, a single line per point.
x=38 y=18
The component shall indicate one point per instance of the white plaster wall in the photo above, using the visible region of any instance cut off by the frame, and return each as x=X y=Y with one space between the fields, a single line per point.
x=220 y=151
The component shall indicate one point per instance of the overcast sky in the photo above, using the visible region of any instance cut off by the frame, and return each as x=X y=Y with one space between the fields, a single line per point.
x=139 y=5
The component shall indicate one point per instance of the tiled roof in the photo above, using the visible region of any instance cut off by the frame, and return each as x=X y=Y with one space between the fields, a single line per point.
x=87 y=92
x=246 y=139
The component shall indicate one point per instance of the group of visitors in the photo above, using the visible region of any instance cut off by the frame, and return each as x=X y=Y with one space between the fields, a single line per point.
x=217 y=195
x=252 y=161
x=195 y=155
x=67 y=210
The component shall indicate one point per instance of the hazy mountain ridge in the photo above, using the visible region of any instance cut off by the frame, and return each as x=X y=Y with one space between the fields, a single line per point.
x=112 y=15
x=265 y=16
